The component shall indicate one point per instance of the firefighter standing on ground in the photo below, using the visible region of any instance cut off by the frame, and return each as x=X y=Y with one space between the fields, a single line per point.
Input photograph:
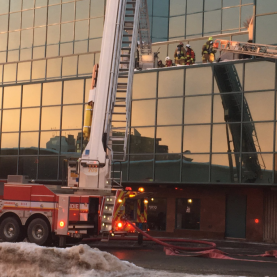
x=208 y=52
x=190 y=55
x=179 y=54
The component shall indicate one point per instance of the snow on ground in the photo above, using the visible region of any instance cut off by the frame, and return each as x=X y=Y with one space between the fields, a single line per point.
x=26 y=259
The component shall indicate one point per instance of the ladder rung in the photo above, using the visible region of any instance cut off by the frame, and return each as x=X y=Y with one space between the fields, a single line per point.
x=129 y=21
x=124 y=62
x=127 y=35
x=129 y=15
x=125 y=56
x=119 y=113
x=126 y=48
x=121 y=90
x=117 y=138
x=130 y=9
x=122 y=84
x=128 y=28
x=119 y=106
x=119 y=121
x=123 y=69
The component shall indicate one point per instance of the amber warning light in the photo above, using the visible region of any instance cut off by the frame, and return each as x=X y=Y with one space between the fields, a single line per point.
x=62 y=223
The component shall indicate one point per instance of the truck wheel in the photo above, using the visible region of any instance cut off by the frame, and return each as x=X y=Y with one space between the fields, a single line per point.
x=10 y=230
x=38 y=231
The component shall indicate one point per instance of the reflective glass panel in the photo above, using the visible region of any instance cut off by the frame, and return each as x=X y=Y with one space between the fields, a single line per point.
x=14 y=21
x=194 y=6
x=169 y=111
x=9 y=144
x=160 y=7
x=160 y=27
x=211 y=20
x=39 y=36
x=10 y=121
x=142 y=140
x=28 y=166
x=261 y=105
x=12 y=97
x=177 y=7
x=51 y=94
x=223 y=140
x=246 y=13
x=31 y=95
x=81 y=30
x=8 y=166
x=54 y=14
x=53 y=34
x=82 y=9
x=230 y=3
x=50 y=142
x=97 y=8
x=48 y=168
x=145 y=85
x=167 y=168
x=257 y=168
x=225 y=168
x=72 y=117
x=264 y=26
x=40 y=17
x=177 y=26
x=85 y=64
x=197 y=48
x=168 y=139
x=29 y=143
x=143 y=113
x=193 y=86
x=257 y=135
x=195 y=168
x=212 y=5
x=26 y=38
x=227 y=107
x=54 y=68
x=38 y=69
x=50 y=118
x=24 y=71
x=194 y=24
x=196 y=139
x=141 y=168
x=73 y=92
x=66 y=33
x=30 y=119
x=71 y=141
x=198 y=109
x=266 y=6
x=27 y=19
x=259 y=76
x=67 y=12
x=96 y=27
x=171 y=83
x=230 y=18
x=9 y=73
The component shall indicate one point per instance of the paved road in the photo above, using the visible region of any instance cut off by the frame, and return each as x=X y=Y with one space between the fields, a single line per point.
x=152 y=257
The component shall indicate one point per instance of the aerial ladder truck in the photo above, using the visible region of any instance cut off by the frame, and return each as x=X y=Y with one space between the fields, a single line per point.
x=86 y=206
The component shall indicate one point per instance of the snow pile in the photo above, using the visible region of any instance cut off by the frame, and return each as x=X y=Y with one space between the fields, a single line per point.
x=26 y=259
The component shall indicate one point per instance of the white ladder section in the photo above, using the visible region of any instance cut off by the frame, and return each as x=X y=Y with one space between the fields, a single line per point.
x=118 y=116
x=251 y=49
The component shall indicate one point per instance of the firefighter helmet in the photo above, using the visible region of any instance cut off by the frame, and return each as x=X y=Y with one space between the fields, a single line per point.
x=167 y=59
x=188 y=46
x=181 y=43
x=210 y=38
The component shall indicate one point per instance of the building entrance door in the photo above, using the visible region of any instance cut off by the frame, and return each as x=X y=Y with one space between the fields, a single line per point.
x=235 y=216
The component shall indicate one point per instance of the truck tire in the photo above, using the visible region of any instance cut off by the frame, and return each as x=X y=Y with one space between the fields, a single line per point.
x=10 y=230
x=38 y=231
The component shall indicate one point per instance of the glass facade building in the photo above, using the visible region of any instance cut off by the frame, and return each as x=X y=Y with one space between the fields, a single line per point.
x=48 y=49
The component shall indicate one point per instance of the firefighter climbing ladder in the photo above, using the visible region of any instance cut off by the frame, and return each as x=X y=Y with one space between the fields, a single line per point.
x=252 y=49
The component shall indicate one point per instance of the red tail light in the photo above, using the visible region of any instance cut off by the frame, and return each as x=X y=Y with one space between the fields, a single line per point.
x=119 y=224
x=62 y=224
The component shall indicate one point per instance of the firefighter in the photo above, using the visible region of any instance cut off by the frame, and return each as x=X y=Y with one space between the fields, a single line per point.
x=160 y=64
x=190 y=55
x=168 y=62
x=208 y=52
x=179 y=54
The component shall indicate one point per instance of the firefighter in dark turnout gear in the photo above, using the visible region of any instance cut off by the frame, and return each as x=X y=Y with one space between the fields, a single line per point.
x=190 y=55
x=179 y=54
x=208 y=52
x=160 y=64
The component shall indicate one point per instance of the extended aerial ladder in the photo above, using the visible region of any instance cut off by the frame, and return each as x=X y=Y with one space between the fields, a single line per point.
x=246 y=48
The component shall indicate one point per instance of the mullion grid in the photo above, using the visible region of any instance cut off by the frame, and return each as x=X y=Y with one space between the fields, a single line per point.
x=203 y=17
